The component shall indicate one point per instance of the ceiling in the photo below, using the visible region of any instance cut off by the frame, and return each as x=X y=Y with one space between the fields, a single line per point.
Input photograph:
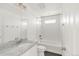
x=32 y=9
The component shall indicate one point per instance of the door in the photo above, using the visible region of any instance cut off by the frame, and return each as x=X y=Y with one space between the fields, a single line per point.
x=51 y=32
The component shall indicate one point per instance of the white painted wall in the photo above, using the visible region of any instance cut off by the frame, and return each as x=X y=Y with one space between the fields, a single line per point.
x=14 y=21
x=33 y=28
x=70 y=29
x=10 y=26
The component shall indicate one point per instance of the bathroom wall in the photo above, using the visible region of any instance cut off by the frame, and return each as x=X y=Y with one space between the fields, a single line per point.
x=33 y=28
x=70 y=29
x=17 y=24
x=10 y=26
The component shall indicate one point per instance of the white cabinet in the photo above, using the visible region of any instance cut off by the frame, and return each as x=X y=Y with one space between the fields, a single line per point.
x=31 y=52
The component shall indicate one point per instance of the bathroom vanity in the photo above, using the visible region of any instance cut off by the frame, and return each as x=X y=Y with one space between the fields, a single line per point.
x=20 y=48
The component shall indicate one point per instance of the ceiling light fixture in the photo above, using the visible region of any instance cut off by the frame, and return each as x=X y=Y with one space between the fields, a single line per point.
x=21 y=6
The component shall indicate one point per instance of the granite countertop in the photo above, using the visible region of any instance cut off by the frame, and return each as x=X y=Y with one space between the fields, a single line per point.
x=14 y=48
